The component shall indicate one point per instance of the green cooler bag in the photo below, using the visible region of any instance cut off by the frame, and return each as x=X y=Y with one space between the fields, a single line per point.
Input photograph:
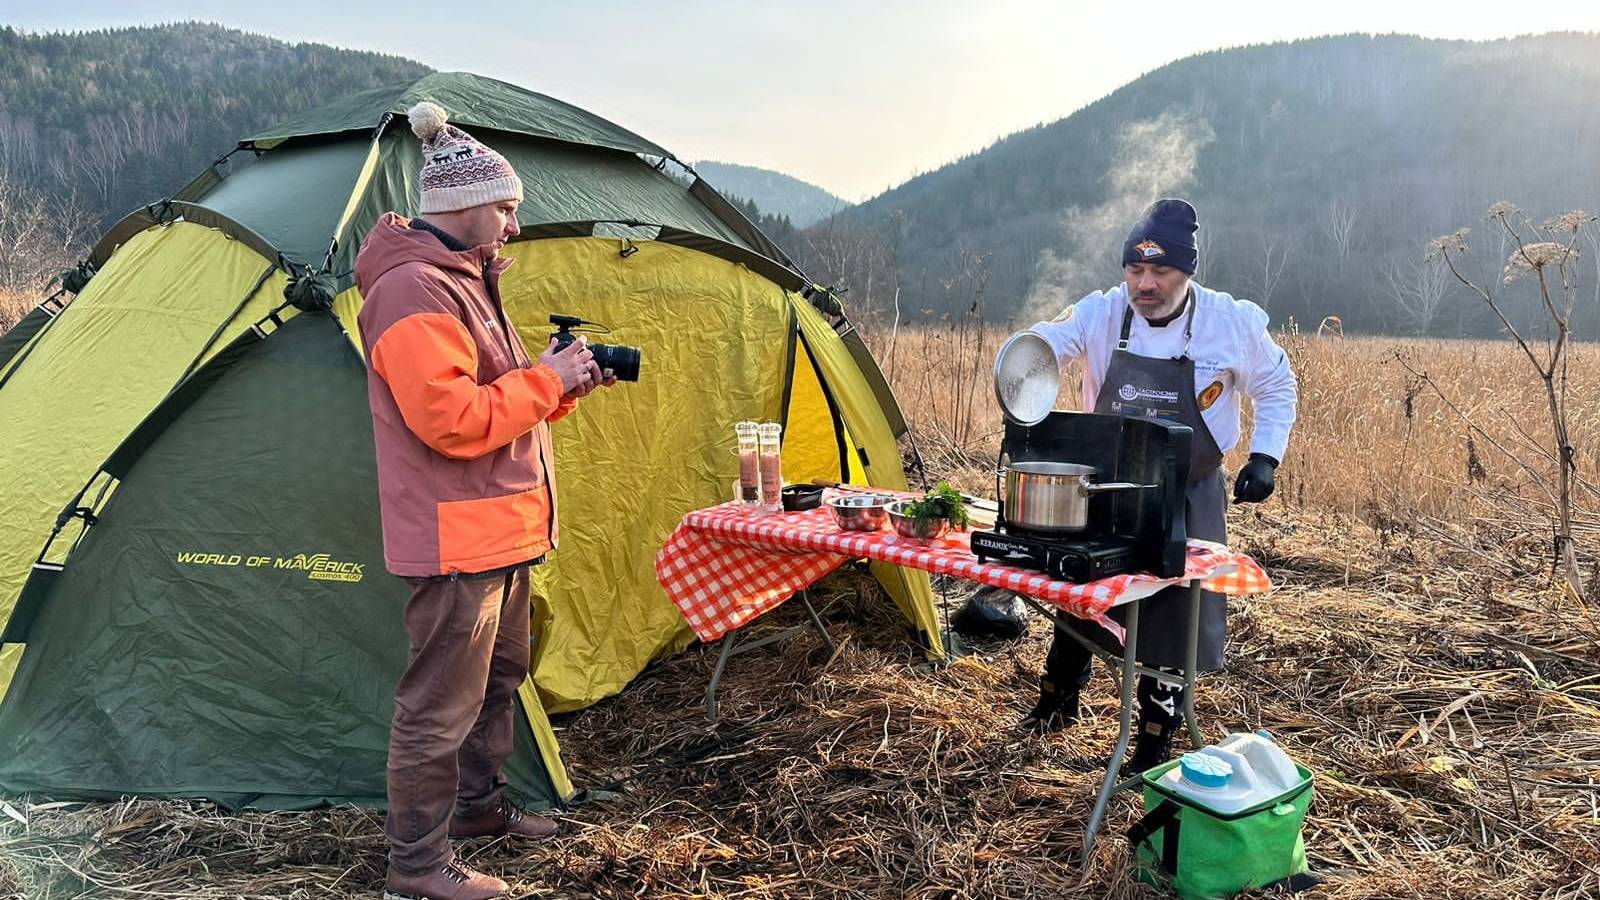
x=1203 y=855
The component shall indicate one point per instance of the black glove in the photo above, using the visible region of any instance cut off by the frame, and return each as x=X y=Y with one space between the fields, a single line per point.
x=1255 y=479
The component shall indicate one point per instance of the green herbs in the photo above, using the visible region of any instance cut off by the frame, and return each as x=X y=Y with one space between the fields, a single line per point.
x=944 y=502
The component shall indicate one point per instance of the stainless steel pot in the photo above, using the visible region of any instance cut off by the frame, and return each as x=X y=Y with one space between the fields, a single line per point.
x=1053 y=496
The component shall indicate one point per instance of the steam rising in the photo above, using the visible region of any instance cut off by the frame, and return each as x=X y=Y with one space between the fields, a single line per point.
x=1154 y=158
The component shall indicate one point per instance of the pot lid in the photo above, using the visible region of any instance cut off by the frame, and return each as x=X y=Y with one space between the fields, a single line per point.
x=1027 y=378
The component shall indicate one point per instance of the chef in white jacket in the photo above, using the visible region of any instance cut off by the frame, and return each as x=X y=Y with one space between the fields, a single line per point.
x=1160 y=344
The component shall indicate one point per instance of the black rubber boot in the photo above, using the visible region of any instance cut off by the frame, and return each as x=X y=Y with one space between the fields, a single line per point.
x=1067 y=668
x=1160 y=715
x=1056 y=709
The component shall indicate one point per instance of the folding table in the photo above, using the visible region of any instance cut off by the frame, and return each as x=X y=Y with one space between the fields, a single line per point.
x=725 y=566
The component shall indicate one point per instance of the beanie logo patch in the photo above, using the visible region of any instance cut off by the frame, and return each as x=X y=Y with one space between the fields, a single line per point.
x=1149 y=249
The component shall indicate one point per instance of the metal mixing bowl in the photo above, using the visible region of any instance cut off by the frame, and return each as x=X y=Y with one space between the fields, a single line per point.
x=906 y=526
x=860 y=512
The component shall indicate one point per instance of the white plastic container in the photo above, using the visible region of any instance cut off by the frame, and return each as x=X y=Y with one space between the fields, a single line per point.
x=1267 y=760
x=1241 y=772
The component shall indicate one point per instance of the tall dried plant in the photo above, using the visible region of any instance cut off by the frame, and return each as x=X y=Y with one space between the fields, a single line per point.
x=1548 y=255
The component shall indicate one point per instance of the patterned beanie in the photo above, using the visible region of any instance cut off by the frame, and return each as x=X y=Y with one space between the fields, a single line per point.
x=1164 y=235
x=457 y=171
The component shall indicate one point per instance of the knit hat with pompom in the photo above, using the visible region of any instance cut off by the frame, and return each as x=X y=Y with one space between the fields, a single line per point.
x=457 y=171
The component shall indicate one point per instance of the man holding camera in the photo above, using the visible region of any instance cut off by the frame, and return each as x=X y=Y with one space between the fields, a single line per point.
x=1160 y=344
x=461 y=421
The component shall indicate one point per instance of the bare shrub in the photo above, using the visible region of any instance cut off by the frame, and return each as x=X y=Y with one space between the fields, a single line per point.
x=40 y=236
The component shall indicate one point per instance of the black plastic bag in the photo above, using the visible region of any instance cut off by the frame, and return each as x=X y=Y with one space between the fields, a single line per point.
x=992 y=613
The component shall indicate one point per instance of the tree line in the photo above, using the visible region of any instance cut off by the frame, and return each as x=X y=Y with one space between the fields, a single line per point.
x=107 y=121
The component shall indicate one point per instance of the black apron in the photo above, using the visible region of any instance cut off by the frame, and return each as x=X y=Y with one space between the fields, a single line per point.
x=1145 y=386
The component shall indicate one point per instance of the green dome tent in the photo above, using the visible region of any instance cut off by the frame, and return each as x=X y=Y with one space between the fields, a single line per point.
x=190 y=559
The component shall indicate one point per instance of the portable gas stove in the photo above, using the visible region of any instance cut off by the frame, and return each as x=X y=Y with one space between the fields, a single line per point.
x=1068 y=560
x=1127 y=531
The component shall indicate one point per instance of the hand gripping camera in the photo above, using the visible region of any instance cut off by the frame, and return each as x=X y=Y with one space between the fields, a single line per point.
x=622 y=360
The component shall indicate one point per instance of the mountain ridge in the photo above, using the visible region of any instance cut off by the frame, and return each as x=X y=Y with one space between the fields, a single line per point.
x=775 y=193
x=1409 y=137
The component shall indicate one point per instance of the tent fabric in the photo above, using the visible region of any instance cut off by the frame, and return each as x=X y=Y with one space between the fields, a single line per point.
x=632 y=459
x=168 y=212
x=107 y=360
x=778 y=273
x=868 y=367
x=748 y=233
x=12 y=342
x=473 y=101
x=296 y=197
x=293 y=200
x=814 y=447
x=227 y=626
x=879 y=457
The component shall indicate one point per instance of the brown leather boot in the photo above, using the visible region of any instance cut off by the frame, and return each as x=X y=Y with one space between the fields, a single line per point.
x=451 y=881
x=504 y=819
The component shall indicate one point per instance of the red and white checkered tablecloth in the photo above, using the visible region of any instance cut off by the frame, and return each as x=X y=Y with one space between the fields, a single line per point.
x=724 y=566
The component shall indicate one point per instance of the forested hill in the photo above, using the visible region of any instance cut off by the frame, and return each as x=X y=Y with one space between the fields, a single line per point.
x=1320 y=168
x=122 y=117
x=801 y=202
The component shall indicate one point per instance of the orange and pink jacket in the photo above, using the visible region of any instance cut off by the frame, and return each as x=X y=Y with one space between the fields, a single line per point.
x=460 y=412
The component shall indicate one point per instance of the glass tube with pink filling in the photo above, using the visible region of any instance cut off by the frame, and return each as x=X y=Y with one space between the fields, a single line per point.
x=749 y=463
x=771 y=467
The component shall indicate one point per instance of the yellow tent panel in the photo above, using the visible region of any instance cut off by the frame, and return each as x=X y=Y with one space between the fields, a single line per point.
x=811 y=441
x=633 y=459
x=878 y=459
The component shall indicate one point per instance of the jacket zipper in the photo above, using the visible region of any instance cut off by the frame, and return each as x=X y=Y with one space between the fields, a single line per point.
x=511 y=347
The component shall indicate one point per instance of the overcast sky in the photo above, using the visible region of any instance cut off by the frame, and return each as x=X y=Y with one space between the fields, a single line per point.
x=853 y=96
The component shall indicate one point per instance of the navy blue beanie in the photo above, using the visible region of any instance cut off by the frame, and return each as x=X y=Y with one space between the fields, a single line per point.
x=1164 y=236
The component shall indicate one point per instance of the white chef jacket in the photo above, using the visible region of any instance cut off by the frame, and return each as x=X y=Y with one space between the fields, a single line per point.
x=1232 y=351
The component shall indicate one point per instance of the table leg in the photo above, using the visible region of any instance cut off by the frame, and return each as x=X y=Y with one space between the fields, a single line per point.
x=1191 y=660
x=732 y=646
x=728 y=641
x=1125 y=731
x=816 y=622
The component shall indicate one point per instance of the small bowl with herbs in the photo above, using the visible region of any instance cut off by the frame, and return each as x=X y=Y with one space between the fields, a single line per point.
x=931 y=516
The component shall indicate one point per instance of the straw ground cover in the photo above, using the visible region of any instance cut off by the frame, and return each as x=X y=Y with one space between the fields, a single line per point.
x=1412 y=655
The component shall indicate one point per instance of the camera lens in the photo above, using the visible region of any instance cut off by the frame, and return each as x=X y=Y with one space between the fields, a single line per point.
x=622 y=360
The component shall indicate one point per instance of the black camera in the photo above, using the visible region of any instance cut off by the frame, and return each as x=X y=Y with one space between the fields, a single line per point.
x=622 y=360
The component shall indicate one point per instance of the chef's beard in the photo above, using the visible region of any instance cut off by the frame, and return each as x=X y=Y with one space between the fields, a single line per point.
x=1168 y=306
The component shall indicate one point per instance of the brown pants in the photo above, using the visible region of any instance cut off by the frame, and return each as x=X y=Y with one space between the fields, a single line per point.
x=453 y=714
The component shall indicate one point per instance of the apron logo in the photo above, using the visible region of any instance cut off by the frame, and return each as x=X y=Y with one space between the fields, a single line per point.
x=1209 y=395
x=1131 y=393
x=1149 y=249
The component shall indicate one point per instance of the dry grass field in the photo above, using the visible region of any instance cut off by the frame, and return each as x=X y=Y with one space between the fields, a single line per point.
x=1413 y=654
x=1371 y=435
x=13 y=306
